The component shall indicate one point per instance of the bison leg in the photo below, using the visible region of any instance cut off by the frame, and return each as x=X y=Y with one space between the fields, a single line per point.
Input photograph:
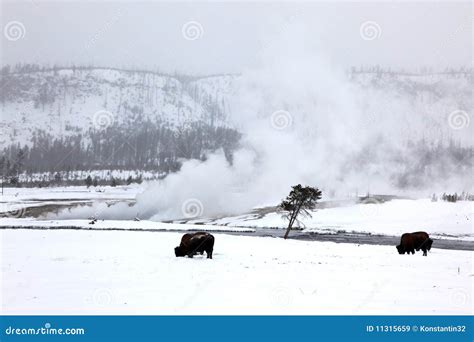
x=209 y=254
x=424 y=252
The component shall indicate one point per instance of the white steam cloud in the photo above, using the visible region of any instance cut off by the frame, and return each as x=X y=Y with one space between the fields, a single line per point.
x=302 y=122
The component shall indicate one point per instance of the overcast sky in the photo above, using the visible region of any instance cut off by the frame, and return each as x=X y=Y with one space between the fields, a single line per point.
x=230 y=36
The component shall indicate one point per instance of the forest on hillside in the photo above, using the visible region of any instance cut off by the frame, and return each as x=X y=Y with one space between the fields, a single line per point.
x=149 y=146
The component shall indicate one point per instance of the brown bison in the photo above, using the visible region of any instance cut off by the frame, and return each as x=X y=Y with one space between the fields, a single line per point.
x=414 y=241
x=192 y=244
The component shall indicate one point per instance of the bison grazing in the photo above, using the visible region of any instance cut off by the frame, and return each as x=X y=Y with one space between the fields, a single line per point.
x=414 y=241
x=194 y=243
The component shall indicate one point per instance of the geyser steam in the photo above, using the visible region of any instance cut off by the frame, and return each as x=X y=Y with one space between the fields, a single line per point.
x=302 y=122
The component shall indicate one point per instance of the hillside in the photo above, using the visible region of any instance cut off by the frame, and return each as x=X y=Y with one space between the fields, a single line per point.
x=66 y=101
x=83 y=118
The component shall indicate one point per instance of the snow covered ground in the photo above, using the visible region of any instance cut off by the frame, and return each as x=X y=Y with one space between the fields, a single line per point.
x=440 y=219
x=70 y=192
x=77 y=175
x=95 y=272
x=17 y=200
x=113 y=225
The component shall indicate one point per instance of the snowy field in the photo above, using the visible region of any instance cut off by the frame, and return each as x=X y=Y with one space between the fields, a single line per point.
x=440 y=219
x=113 y=225
x=95 y=272
x=70 y=193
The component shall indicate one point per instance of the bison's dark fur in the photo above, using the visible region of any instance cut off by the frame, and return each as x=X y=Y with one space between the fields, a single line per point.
x=194 y=243
x=414 y=241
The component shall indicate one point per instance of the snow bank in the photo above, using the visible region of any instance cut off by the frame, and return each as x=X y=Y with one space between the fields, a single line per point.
x=113 y=225
x=94 y=272
x=63 y=193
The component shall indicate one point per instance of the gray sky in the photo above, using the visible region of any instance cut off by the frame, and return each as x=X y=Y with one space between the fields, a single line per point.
x=150 y=34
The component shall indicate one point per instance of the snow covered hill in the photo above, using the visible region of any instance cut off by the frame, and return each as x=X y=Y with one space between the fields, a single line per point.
x=63 y=102
x=84 y=118
x=67 y=101
x=65 y=119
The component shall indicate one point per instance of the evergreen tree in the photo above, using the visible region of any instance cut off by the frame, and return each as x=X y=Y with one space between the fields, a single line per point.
x=113 y=182
x=88 y=181
x=299 y=202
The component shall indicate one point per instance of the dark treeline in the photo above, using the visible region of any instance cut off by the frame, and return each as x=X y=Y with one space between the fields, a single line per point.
x=145 y=146
x=464 y=196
